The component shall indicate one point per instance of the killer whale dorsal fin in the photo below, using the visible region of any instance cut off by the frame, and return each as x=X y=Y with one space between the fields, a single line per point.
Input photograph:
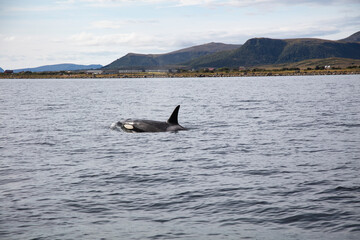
x=173 y=119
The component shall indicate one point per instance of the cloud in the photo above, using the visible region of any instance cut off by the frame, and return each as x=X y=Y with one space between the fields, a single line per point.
x=9 y=39
x=272 y=3
x=58 y=6
x=223 y=3
x=107 y=24
x=130 y=39
x=69 y=4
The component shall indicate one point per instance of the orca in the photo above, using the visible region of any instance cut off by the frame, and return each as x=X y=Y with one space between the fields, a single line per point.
x=140 y=125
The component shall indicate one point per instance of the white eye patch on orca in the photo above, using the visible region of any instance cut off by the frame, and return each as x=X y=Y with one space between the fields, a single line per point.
x=128 y=126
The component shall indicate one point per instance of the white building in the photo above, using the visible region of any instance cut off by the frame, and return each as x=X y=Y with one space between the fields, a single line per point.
x=94 y=71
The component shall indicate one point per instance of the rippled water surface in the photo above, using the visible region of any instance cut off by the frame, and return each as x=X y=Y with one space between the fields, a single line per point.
x=265 y=158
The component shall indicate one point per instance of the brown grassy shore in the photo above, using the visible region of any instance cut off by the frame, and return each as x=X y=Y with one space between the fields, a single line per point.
x=189 y=74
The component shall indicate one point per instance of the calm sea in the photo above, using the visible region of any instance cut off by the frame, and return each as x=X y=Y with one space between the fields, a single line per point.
x=265 y=158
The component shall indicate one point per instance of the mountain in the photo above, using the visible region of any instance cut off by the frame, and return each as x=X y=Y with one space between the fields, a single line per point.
x=353 y=38
x=263 y=51
x=1 y=70
x=140 y=61
x=59 y=67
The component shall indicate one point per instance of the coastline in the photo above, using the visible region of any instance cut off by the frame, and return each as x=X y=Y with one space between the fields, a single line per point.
x=252 y=73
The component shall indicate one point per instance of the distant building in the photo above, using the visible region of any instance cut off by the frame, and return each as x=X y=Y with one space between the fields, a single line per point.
x=327 y=67
x=157 y=70
x=131 y=71
x=8 y=71
x=94 y=71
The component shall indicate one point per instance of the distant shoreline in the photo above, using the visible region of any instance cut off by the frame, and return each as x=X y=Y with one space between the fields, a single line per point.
x=252 y=73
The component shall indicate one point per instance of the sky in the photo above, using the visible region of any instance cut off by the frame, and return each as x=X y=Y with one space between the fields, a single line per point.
x=43 y=32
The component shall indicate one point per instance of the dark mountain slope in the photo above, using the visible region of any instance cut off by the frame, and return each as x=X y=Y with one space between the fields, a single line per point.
x=353 y=38
x=134 y=61
x=302 y=49
x=259 y=51
x=262 y=51
x=255 y=51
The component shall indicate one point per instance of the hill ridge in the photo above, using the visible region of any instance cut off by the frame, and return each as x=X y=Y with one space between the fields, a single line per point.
x=352 y=38
x=59 y=67
x=254 y=52
x=263 y=51
x=170 y=59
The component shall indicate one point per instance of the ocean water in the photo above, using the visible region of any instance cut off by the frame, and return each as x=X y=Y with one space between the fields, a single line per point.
x=265 y=158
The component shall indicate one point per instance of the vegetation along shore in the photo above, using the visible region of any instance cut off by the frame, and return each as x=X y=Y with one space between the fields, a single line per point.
x=222 y=72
